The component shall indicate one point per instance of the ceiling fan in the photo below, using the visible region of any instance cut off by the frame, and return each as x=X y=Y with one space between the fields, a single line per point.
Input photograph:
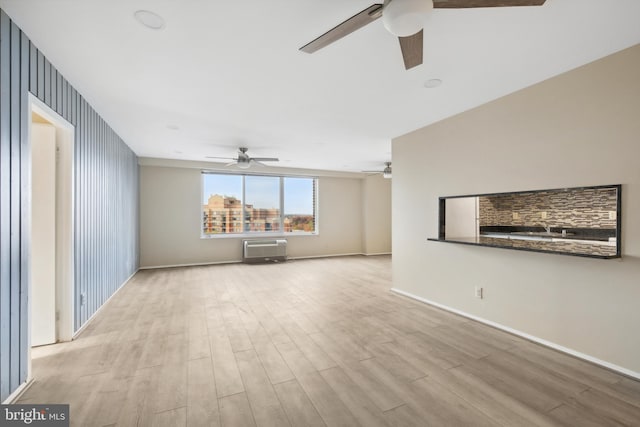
x=244 y=161
x=386 y=172
x=404 y=19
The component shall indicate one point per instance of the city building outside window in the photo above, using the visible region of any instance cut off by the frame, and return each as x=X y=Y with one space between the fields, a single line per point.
x=257 y=204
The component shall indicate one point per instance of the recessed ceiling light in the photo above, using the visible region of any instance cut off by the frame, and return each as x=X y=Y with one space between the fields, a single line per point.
x=431 y=83
x=149 y=19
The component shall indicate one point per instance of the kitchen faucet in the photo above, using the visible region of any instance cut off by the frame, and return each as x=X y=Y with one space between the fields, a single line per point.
x=546 y=227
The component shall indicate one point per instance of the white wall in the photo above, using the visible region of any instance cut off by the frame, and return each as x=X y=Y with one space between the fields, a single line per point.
x=577 y=129
x=376 y=202
x=170 y=217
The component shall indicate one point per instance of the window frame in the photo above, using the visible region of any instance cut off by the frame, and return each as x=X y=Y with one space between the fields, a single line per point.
x=248 y=234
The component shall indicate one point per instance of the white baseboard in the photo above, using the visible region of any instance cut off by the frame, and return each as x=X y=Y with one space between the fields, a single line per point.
x=194 y=264
x=17 y=393
x=197 y=264
x=325 y=256
x=85 y=324
x=579 y=355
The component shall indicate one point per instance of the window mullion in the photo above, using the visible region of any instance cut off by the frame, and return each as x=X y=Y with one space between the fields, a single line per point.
x=281 y=204
x=244 y=209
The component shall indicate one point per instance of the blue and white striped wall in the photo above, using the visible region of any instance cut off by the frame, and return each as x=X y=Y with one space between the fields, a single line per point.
x=106 y=197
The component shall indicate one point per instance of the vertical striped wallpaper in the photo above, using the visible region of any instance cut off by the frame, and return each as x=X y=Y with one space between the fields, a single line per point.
x=106 y=197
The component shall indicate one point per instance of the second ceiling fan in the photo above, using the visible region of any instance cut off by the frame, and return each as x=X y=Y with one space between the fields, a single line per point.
x=404 y=19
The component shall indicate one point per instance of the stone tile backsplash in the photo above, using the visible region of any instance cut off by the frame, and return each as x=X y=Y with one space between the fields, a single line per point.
x=577 y=208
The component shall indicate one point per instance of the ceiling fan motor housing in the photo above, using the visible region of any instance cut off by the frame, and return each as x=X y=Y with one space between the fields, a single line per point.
x=404 y=18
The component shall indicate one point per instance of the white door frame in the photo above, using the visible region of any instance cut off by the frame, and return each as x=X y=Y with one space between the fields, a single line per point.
x=65 y=133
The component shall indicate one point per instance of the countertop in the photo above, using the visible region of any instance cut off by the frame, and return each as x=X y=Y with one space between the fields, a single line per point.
x=555 y=245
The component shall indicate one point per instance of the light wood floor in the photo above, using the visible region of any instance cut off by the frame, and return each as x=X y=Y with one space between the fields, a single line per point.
x=314 y=342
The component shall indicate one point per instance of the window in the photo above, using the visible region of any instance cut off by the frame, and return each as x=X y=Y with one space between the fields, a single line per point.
x=262 y=209
x=222 y=205
x=299 y=204
x=246 y=204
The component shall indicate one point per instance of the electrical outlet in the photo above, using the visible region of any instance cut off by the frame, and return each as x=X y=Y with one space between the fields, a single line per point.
x=83 y=299
x=479 y=292
x=612 y=215
x=516 y=215
x=543 y=215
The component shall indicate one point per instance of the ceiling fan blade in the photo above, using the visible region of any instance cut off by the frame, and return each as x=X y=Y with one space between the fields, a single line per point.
x=265 y=159
x=412 y=49
x=459 y=4
x=352 y=24
x=222 y=158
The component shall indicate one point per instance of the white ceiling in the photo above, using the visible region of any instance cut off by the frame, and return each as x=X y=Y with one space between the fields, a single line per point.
x=229 y=73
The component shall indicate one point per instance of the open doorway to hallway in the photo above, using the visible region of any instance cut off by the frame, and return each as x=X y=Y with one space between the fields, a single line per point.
x=51 y=291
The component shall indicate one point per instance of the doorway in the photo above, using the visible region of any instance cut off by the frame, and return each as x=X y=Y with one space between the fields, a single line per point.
x=51 y=289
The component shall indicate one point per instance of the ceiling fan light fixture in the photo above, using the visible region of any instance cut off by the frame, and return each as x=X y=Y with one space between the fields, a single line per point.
x=243 y=164
x=404 y=18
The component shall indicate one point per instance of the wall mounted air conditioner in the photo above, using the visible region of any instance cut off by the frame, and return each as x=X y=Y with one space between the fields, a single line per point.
x=264 y=250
